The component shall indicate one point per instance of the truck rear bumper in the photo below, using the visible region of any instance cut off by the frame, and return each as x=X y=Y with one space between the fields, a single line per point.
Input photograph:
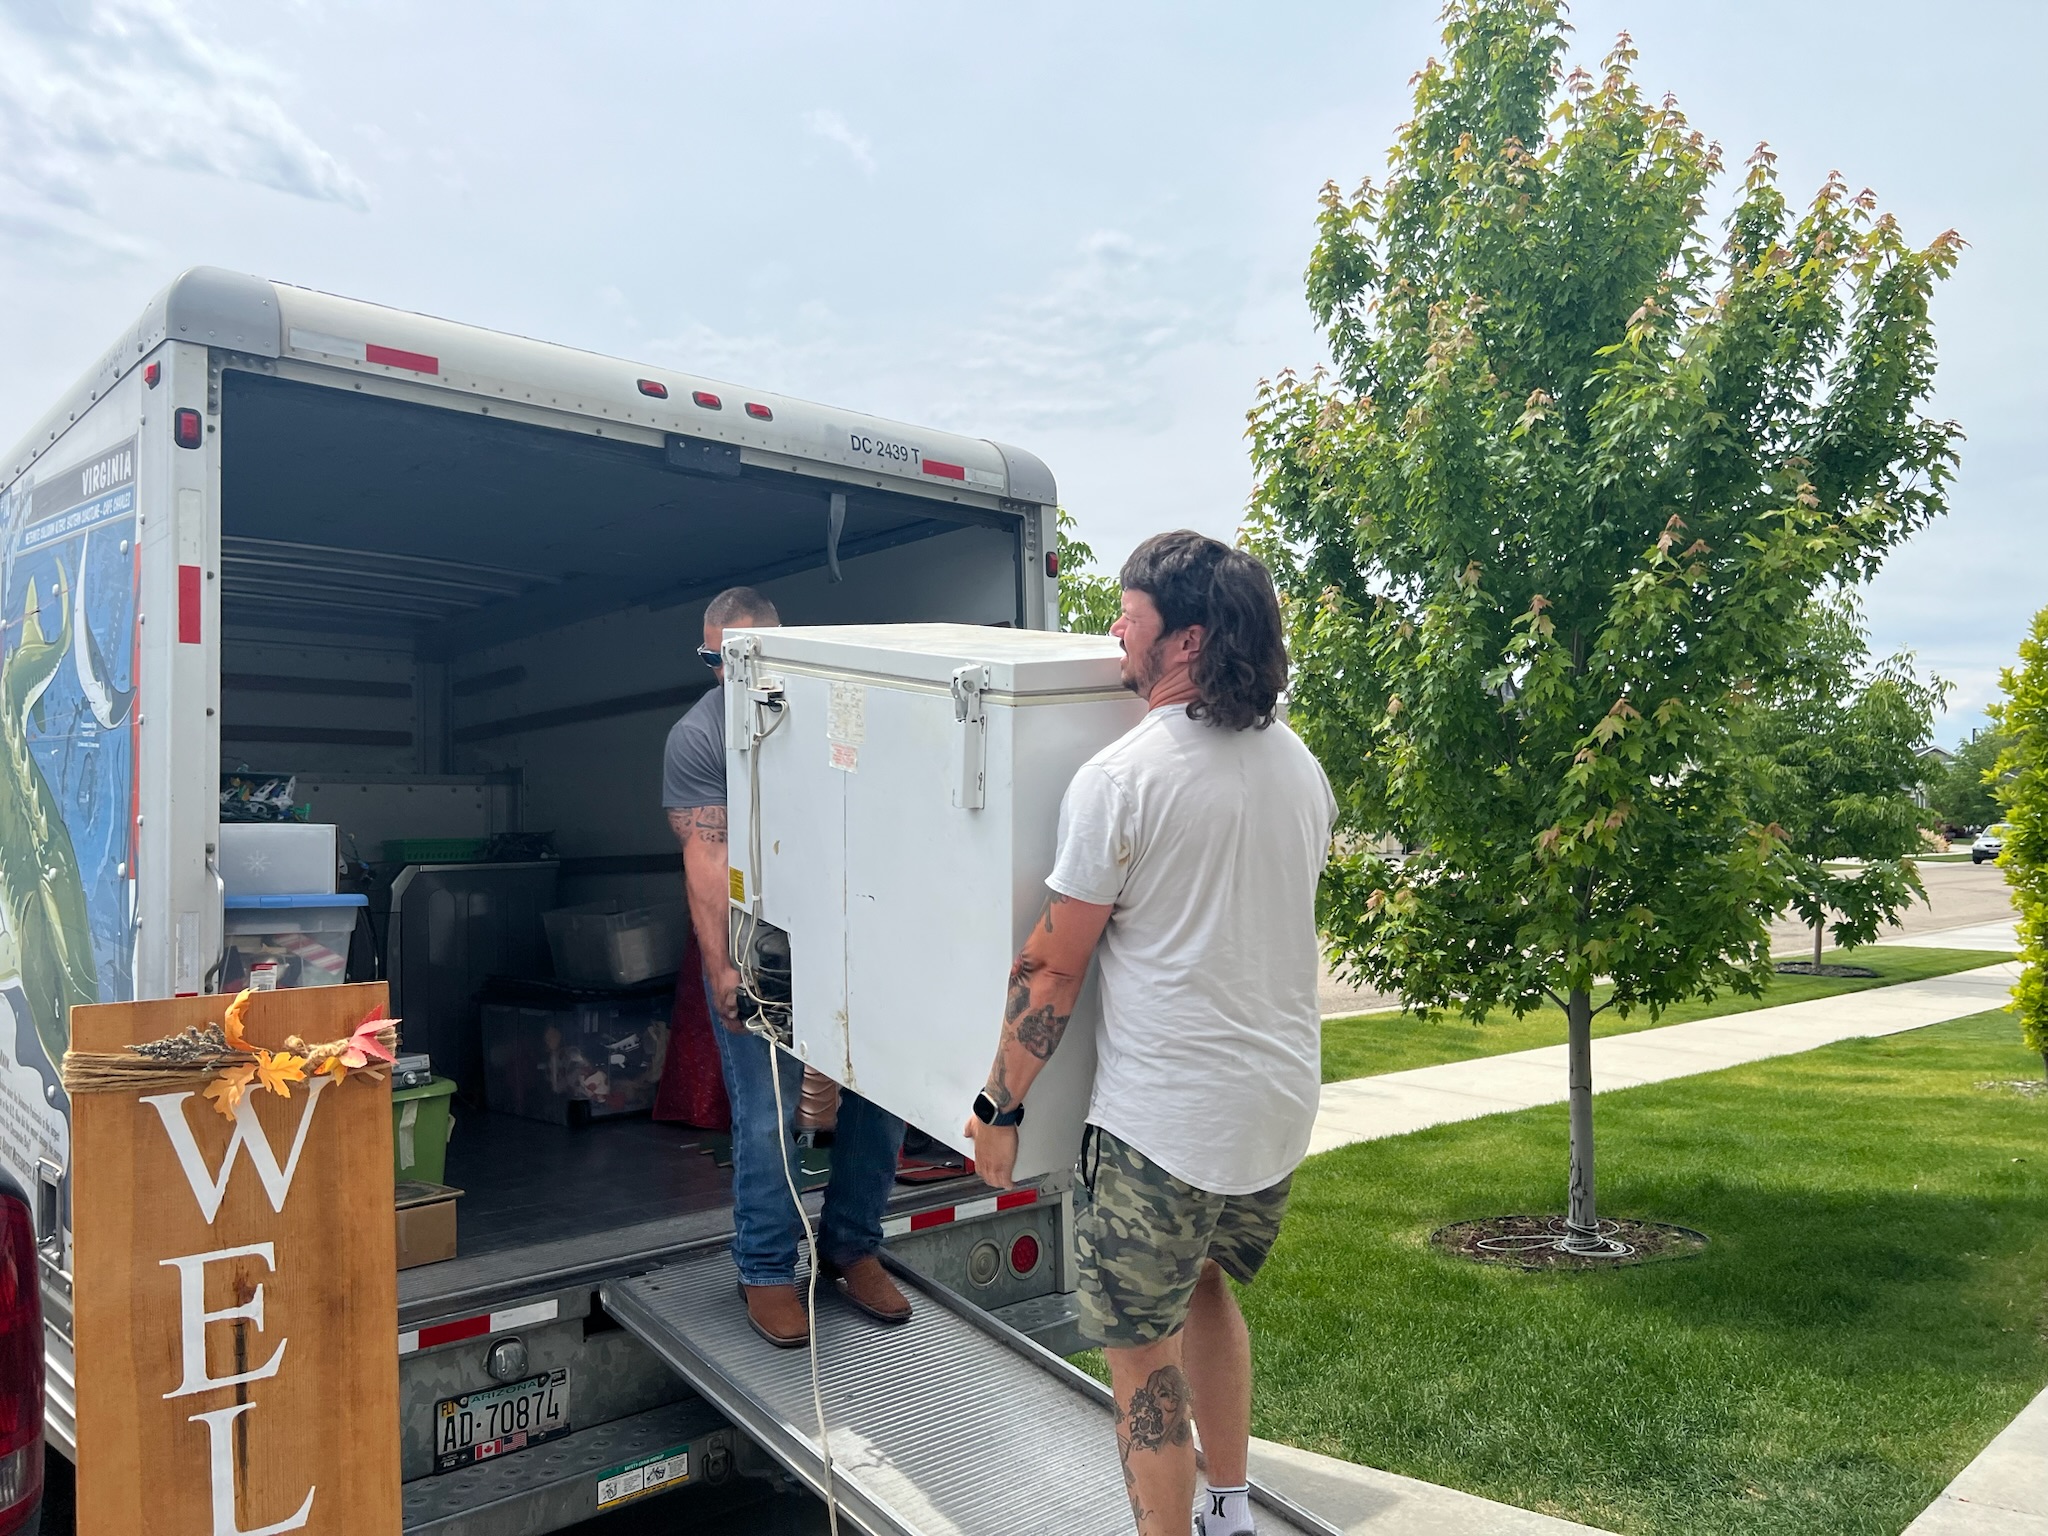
x=578 y=1476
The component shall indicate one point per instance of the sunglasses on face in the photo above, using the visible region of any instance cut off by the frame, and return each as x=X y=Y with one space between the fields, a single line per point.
x=709 y=657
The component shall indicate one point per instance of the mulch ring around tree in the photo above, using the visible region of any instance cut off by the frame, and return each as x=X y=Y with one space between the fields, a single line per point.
x=1808 y=968
x=1534 y=1242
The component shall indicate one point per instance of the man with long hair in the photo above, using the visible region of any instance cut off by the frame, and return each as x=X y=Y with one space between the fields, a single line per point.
x=1187 y=864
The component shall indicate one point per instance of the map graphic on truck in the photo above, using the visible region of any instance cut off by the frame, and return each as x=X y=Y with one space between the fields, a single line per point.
x=67 y=704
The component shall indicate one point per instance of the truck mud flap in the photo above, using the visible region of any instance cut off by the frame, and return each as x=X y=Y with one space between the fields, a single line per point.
x=950 y=1423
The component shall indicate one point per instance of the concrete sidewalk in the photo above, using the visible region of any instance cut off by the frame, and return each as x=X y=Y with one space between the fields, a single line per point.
x=2004 y=1492
x=1396 y=1103
x=1360 y=1501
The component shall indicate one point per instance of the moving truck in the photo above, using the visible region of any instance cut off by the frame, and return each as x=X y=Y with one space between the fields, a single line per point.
x=450 y=583
x=451 y=580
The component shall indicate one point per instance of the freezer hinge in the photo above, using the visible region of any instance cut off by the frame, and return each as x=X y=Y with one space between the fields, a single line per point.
x=968 y=684
x=740 y=651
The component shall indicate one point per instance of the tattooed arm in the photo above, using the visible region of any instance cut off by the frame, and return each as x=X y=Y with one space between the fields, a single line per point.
x=1045 y=981
x=701 y=831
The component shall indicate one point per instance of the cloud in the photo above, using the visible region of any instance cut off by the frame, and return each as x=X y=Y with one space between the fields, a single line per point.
x=90 y=83
x=1081 y=349
x=834 y=129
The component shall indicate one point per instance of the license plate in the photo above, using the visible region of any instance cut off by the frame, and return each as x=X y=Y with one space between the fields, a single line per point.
x=479 y=1425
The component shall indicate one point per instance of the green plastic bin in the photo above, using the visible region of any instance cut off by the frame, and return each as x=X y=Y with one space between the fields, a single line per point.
x=420 y=1123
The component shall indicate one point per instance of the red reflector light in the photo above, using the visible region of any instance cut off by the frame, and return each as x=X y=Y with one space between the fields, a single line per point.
x=151 y=373
x=1052 y=562
x=759 y=412
x=185 y=430
x=1024 y=1254
x=654 y=388
x=709 y=401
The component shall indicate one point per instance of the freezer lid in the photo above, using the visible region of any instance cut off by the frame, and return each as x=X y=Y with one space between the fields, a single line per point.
x=1020 y=661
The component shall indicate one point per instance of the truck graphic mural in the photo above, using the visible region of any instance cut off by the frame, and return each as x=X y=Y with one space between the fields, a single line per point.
x=68 y=570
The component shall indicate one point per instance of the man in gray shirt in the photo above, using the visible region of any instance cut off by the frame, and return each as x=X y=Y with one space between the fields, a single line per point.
x=766 y=1228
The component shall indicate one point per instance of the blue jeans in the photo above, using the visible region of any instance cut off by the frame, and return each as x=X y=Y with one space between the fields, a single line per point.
x=766 y=1231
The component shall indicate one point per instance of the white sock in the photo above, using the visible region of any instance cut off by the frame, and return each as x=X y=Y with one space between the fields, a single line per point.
x=1226 y=1511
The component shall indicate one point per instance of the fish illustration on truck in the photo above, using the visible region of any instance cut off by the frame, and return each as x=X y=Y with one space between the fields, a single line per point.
x=40 y=884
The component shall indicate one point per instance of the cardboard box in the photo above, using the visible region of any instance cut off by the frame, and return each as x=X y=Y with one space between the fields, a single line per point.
x=426 y=1223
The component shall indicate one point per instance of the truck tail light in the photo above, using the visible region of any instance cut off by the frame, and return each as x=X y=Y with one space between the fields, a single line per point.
x=708 y=400
x=1023 y=1254
x=151 y=373
x=759 y=412
x=1052 y=564
x=185 y=427
x=21 y=1369
x=654 y=389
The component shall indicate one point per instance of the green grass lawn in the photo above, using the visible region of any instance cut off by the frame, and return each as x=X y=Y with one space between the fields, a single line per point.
x=1367 y=1044
x=1870 y=1313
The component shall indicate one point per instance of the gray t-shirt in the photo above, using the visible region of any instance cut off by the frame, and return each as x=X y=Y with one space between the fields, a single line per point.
x=693 y=767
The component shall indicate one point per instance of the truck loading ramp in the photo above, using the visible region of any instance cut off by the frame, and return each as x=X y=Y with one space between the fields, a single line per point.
x=949 y=1425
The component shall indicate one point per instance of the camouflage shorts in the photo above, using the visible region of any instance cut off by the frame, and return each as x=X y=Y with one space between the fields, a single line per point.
x=1140 y=1235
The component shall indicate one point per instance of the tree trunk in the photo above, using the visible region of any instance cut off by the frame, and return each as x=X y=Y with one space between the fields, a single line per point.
x=2044 y=1063
x=1818 y=930
x=1582 y=1222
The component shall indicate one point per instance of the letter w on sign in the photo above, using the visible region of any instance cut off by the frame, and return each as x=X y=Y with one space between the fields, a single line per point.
x=209 y=1188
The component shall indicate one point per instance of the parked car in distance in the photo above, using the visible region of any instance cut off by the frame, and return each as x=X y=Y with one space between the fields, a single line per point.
x=1989 y=843
x=21 y=1366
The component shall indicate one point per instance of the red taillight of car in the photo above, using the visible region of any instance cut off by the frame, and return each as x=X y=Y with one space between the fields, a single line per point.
x=1024 y=1255
x=21 y=1369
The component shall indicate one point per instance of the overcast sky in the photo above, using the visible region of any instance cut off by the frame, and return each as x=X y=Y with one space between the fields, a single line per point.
x=1080 y=228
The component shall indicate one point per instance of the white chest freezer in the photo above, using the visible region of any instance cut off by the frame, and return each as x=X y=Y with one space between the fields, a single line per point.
x=894 y=793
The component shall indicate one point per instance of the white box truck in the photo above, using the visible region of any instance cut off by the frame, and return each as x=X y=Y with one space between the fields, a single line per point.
x=449 y=581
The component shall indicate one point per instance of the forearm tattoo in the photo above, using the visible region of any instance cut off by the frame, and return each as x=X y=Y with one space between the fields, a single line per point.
x=1039 y=1031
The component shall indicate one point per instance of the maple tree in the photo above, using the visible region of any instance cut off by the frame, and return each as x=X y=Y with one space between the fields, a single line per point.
x=1571 y=483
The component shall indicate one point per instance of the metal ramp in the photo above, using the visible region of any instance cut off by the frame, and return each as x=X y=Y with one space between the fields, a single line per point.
x=949 y=1425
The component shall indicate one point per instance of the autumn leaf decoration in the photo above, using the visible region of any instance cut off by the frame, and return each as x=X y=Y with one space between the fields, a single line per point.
x=230 y=1066
x=227 y=1088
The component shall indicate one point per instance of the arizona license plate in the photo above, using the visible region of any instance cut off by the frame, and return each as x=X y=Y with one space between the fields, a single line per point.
x=479 y=1425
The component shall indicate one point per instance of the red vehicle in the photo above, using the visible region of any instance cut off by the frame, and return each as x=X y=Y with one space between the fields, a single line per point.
x=21 y=1367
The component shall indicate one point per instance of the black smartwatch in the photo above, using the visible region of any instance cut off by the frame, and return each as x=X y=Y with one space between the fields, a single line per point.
x=985 y=1112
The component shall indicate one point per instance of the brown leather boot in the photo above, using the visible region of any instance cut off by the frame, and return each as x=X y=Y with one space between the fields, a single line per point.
x=777 y=1313
x=867 y=1285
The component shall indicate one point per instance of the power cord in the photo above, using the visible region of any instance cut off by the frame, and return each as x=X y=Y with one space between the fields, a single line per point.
x=772 y=1032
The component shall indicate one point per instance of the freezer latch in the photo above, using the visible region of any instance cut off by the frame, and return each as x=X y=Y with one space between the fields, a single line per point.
x=970 y=793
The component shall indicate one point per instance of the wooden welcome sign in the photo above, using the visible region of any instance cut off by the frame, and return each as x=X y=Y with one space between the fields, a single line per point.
x=235 y=1308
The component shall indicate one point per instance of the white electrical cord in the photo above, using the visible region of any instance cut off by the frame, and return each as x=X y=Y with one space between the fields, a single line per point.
x=761 y=1026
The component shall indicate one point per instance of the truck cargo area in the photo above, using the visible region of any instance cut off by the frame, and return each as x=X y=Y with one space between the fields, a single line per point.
x=451 y=627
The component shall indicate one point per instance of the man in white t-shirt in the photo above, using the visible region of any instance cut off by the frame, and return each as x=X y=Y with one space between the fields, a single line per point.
x=1188 y=858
